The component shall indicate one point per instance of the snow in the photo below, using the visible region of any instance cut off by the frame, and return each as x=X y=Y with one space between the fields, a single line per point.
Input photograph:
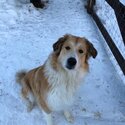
x=122 y=1
x=26 y=38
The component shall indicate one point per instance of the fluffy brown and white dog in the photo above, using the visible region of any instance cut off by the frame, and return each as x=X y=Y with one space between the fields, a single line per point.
x=54 y=84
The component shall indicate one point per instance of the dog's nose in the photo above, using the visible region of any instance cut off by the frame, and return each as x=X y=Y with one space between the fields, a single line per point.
x=71 y=62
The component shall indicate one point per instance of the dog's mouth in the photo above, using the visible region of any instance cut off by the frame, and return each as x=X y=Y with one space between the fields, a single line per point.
x=71 y=63
x=70 y=67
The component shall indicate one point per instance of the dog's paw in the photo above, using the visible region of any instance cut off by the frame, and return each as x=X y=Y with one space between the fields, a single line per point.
x=69 y=117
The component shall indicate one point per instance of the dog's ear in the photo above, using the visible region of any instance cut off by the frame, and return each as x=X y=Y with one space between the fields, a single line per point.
x=58 y=45
x=91 y=49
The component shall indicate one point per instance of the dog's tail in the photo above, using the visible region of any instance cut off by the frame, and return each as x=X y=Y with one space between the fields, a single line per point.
x=20 y=75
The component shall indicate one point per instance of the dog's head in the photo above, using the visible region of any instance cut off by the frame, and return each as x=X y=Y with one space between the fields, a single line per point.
x=73 y=52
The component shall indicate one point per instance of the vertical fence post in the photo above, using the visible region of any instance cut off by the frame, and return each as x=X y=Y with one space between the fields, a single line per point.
x=90 y=5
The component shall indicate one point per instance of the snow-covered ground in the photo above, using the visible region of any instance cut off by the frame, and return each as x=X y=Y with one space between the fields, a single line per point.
x=26 y=38
x=122 y=1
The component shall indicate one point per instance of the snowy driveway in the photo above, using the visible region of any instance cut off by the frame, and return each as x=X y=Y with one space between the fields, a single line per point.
x=26 y=38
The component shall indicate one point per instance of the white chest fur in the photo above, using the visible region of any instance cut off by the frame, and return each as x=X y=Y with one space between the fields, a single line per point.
x=63 y=86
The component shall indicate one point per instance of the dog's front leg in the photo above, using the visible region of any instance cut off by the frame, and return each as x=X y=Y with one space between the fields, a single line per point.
x=48 y=118
x=46 y=111
x=68 y=116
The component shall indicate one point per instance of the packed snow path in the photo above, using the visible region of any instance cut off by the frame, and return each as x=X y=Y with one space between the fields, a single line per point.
x=26 y=38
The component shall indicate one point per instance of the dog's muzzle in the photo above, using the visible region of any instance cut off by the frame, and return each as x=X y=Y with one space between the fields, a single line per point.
x=71 y=63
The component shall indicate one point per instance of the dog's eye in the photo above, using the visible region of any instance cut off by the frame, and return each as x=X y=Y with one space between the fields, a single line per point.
x=67 y=48
x=80 y=51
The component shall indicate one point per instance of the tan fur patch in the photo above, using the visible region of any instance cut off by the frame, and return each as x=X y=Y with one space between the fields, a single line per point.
x=76 y=44
x=35 y=82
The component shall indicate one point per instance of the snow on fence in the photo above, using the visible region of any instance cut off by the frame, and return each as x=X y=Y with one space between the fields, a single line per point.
x=109 y=16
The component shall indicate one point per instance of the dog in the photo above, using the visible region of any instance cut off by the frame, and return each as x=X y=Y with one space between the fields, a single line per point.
x=54 y=84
